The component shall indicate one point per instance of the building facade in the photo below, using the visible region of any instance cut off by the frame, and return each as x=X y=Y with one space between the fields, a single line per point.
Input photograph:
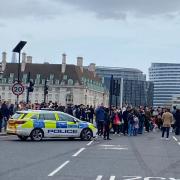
x=166 y=79
x=68 y=83
x=135 y=89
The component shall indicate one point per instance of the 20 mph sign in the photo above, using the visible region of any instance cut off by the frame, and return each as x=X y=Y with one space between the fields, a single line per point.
x=17 y=89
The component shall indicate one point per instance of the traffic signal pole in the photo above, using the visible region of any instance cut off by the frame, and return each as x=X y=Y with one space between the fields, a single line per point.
x=45 y=91
x=28 y=81
x=111 y=94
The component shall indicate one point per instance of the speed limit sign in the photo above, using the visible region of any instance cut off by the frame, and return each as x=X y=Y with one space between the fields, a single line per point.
x=17 y=89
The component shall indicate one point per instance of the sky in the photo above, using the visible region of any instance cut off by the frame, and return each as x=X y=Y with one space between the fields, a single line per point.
x=116 y=33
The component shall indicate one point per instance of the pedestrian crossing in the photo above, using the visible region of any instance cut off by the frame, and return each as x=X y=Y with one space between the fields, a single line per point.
x=99 y=177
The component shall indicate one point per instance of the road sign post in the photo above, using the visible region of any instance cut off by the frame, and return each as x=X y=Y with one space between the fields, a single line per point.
x=17 y=90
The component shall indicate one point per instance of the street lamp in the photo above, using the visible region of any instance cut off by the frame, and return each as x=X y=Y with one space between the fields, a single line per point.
x=18 y=49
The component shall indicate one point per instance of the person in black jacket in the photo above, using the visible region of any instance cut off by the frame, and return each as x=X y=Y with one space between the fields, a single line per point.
x=125 y=119
x=177 y=122
x=107 y=122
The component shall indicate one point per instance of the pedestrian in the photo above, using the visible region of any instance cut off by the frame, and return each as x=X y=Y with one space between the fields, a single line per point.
x=141 y=121
x=177 y=122
x=125 y=119
x=136 y=125
x=100 y=116
x=5 y=114
x=167 y=119
x=116 y=119
x=107 y=122
x=131 y=123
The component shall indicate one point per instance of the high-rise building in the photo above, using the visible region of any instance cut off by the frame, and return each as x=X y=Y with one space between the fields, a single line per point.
x=166 y=79
x=135 y=89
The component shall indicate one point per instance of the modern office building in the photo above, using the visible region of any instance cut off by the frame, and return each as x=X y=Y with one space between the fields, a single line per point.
x=135 y=90
x=68 y=83
x=166 y=79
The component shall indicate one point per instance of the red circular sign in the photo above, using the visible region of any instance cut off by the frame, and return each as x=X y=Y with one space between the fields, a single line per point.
x=17 y=89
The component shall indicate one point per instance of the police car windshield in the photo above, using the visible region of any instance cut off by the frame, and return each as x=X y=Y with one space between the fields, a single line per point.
x=17 y=115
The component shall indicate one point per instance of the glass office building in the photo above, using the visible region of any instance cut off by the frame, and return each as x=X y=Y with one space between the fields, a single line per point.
x=136 y=90
x=166 y=79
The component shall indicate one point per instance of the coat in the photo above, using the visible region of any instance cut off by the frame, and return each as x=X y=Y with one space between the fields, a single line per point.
x=167 y=119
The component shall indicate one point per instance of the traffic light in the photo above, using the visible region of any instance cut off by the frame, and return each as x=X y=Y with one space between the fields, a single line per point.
x=46 y=88
x=31 y=86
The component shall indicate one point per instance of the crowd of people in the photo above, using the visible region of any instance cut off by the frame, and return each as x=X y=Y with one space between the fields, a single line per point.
x=127 y=120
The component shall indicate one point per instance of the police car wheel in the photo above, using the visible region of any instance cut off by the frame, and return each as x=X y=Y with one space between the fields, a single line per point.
x=22 y=138
x=86 y=134
x=36 y=135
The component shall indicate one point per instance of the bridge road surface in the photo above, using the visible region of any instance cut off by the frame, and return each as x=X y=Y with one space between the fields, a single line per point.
x=123 y=158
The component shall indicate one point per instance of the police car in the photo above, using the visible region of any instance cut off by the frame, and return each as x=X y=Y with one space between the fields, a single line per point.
x=38 y=124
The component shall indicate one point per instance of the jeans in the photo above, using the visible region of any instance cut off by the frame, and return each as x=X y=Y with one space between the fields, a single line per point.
x=106 y=131
x=141 y=127
x=165 y=129
x=125 y=128
x=135 y=131
x=130 y=129
x=100 y=126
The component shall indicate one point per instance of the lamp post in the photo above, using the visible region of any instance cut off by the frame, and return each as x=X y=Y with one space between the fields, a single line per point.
x=18 y=49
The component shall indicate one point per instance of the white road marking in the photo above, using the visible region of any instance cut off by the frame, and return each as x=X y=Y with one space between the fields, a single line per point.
x=88 y=144
x=112 y=178
x=175 y=138
x=110 y=145
x=77 y=153
x=179 y=143
x=99 y=177
x=114 y=148
x=58 y=169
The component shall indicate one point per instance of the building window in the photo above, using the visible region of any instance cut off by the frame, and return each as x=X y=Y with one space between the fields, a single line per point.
x=70 y=82
x=38 y=76
x=51 y=76
x=65 y=77
x=11 y=75
x=24 y=76
x=57 y=82
x=62 y=83
x=4 y=80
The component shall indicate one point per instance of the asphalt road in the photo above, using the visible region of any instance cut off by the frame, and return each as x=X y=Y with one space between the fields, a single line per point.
x=123 y=158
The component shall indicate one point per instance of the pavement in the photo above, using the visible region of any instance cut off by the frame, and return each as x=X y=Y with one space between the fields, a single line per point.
x=143 y=157
x=3 y=133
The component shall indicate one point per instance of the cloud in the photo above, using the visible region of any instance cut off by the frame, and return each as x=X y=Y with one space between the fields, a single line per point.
x=29 y=8
x=106 y=9
x=119 y=9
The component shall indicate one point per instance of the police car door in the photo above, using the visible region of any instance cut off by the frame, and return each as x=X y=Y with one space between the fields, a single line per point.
x=50 y=120
x=71 y=123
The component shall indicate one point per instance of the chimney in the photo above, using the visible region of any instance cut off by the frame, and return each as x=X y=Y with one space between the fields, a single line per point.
x=92 y=68
x=14 y=58
x=29 y=60
x=80 y=63
x=3 y=61
x=63 y=66
x=23 y=64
